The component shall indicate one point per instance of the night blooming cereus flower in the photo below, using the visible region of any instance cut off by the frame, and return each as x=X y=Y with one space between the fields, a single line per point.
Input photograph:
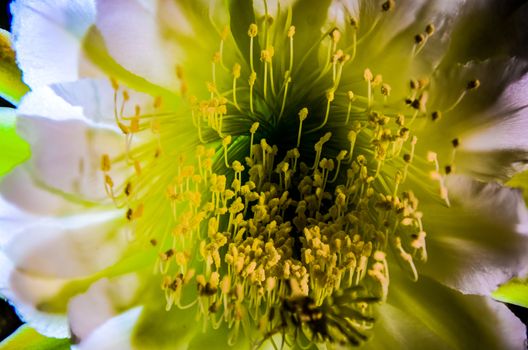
x=292 y=174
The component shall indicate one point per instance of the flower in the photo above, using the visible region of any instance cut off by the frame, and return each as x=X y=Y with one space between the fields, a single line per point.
x=210 y=174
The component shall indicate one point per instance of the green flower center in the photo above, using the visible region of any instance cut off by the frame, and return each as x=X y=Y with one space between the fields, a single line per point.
x=285 y=223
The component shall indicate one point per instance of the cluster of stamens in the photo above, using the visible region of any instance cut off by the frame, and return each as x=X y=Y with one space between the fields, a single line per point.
x=262 y=236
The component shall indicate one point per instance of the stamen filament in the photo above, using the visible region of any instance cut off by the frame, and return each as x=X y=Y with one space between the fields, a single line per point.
x=287 y=80
x=330 y=98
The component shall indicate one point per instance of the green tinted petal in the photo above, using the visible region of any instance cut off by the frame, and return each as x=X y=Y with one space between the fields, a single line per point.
x=429 y=315
x=11 y=86
x=160 y=329
x=513 y=292
x=520 y=181
x=28 y=338
x=217 y=340
x=132 y=263
x=14 y=149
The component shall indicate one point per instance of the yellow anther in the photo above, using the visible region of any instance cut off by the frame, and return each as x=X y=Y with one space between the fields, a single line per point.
x=303 y=114
x=431 y=156
x=330 y=96
x=388 y=5
x=386 y=89
x=236 y=70
x=423 y=83
x=216 y=57
x=430 y=29
x=128 y=189
x=211 y=87
x=179 y=72
x=253 y=30
x=420 y=103
x=378 y=79
x=336 y=35
x=473 y=84
x=124 y=129
x=108 y=181
x=139 y=211
x=291 y=31
x=379 y=255
x=158 y=101
x=265 y=56
x=115 y=84
x=367 y=75
x=134 y=125
x=351 y=136
x=237 y=166
x=137 y=167
x=105 y=163
x=224 y=33
x=126 y=96
x=419 y=39
x=342 y=154
x=254 y=127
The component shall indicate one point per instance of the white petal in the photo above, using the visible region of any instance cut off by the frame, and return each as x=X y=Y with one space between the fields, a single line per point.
x=89 y=310
x=135 y=39
x=507 y=129
x=51 y=325
x=44 y=102
x=66 y=155
x=115 y=333
x=47 y=254
x=88 y=243
x=21 y=190
x=481 y=240
x=100 y=303
x=96 y=97
x=47 y=35
x=10 y=219
x=487 y=122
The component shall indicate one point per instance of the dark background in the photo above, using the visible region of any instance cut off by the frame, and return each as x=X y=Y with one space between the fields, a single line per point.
x=9 y=321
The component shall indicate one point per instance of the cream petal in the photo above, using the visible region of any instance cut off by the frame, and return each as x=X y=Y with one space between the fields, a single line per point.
x=478 y=242
x=485 y=122
x=10 y=219
x=136 y=40
x=50 y=260
x=96 y=98
x=51 y=325
x=42 y=101
x=116 y=333
x=89 y=310
x=504 y=132
x=66 y=155
x=101 y=302
x=22 y=190
x=47 y=36
x=88 y=242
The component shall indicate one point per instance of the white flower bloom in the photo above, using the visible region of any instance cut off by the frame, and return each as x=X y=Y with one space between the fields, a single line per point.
x=299 y=173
